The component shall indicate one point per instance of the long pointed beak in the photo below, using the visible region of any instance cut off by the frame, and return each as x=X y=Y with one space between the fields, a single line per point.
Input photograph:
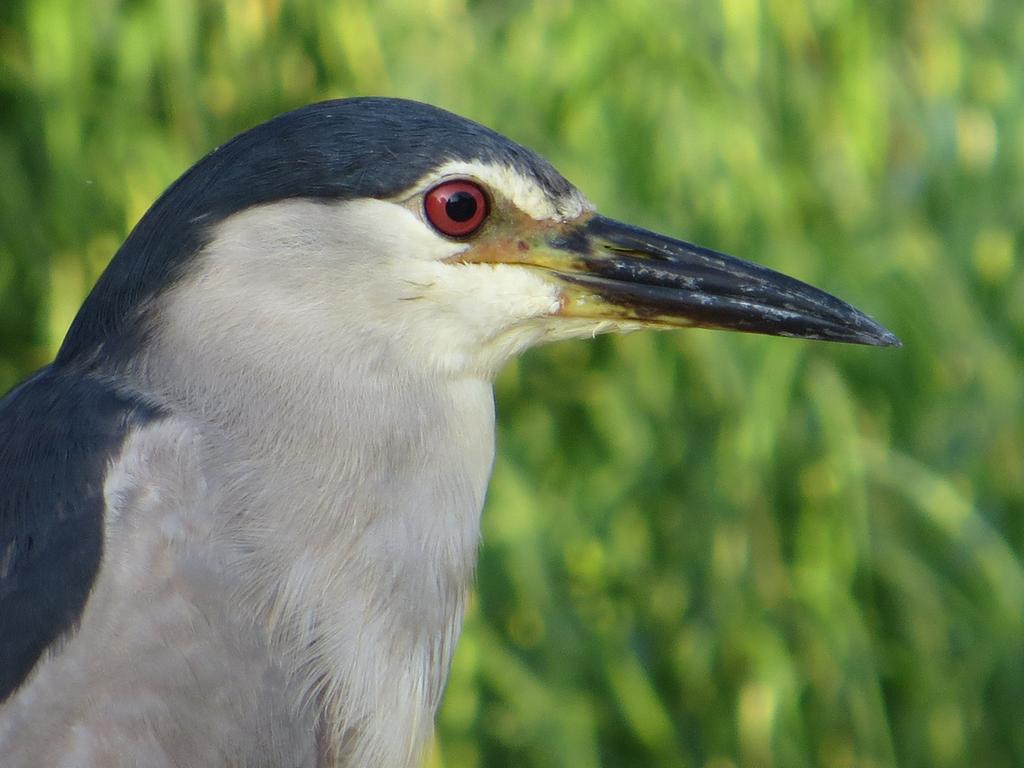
x=610 y=270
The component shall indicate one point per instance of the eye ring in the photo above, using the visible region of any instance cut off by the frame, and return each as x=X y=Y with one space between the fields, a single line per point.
x=456 y=208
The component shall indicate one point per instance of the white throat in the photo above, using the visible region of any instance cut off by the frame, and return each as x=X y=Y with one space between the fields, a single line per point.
x=360 y=584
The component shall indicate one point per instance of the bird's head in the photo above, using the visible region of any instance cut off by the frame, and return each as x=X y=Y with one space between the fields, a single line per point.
x=393 y=224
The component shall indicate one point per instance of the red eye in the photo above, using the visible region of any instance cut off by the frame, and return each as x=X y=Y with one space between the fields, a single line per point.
x=456 y=208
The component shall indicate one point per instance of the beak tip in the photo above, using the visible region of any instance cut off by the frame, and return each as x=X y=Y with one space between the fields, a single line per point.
x=890 y=340
x=879 y=336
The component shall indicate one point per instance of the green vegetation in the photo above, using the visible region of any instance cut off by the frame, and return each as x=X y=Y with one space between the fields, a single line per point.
x=701 y=549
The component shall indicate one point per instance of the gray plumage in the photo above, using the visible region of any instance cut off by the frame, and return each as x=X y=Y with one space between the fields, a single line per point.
x=240 y=510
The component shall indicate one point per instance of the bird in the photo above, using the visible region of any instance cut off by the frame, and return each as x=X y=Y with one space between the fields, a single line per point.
x=240 y=510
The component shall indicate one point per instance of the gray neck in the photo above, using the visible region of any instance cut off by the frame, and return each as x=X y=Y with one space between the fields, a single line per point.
x=349 y=510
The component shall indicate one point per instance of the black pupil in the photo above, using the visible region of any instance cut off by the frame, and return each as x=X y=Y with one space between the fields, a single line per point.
x=461 y=206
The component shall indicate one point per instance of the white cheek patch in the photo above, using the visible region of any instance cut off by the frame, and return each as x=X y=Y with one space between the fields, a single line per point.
x=489 y=296
x=474 y=318
x=522 y=191
x=320 y=280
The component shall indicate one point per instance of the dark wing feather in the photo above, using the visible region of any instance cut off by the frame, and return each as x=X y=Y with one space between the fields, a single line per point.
x=59 y=431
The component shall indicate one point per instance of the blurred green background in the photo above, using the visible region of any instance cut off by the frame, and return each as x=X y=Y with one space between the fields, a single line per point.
x=700 y=549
